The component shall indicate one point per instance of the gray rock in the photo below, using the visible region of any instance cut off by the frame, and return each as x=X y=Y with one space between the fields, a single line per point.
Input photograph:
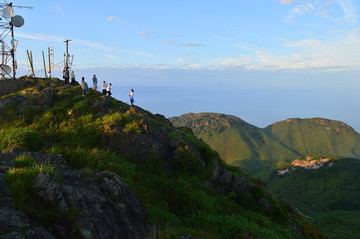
x=9 y=86
x=12 y=219
x=13 y=235
x=240 y=184
x=264 y=203
x=102 y=205
x=223 y=180
x=185 y=236
x=38 y=233
x=50 y=192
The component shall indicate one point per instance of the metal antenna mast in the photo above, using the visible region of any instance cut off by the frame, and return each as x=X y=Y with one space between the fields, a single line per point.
x=7 y=22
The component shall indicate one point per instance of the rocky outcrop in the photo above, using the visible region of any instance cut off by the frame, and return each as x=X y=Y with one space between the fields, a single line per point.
x=40 y=95
x=307 y=163
x=103 y=205
x=149 y=141
x=224 y=180
x=16 y=102
x=14 y=223
x=137 y=146
x=10 y=86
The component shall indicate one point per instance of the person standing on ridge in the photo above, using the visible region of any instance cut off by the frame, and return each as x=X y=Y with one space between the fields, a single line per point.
x=132 y=97
x=94 y=82
x=104 y=85
x=108 y=89
x=72 y=78
x=84 y=86
x=66 y=76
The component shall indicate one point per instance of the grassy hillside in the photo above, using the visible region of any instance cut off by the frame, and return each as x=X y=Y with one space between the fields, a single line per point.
x=317 y=136
x=330 y=194
x=257 y=150
x=54 y=119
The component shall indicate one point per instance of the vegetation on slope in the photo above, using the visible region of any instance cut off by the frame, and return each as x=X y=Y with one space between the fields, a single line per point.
x=176 y=200
x=330 y=193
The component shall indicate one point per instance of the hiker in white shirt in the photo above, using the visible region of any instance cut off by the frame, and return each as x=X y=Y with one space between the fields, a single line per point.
x=108 y=89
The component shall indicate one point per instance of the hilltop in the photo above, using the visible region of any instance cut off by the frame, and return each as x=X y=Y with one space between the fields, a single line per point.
x=257 y=150
x=75 y=166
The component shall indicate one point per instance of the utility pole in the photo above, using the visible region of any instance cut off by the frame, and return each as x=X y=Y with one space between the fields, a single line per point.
x=44 y=64
x=12 y=51
x=67 y=54
x=50 y=53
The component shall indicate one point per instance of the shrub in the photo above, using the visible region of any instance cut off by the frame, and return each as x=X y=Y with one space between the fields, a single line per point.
x=132 y=128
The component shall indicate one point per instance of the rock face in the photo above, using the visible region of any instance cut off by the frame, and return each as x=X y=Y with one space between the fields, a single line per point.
x=14 y=223
x=224 y=180
x=16 y=100
x=104 y=206
x=9 y=86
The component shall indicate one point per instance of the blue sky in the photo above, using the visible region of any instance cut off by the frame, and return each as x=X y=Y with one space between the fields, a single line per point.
x=261 y=60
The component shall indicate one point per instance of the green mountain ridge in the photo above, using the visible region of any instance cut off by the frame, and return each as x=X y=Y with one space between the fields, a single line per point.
x=257 y=150
x=51 y=133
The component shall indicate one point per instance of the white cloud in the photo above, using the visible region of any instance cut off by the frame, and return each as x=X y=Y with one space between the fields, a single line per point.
x=300 y=10
x=58 y=8
x=122 y=20
x=286 y=1
x=191 y=45
x=349 y=10
x=111 y=56
x=146 y=34
x=342 y=53
x=241 y=46
x=110 y=18
x=168 y=42
x=95 y=45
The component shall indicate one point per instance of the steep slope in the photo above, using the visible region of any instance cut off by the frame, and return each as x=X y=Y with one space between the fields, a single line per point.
x=322 y=187
x=256 y=150
x=183 y=185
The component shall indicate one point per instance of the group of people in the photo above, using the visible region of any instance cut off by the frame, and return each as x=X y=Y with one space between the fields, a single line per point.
x=66 y=76
x=106 y=88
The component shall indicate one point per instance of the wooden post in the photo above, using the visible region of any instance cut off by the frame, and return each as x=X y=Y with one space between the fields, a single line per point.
x=44 y=65
x=29 y=55
x=49 y=62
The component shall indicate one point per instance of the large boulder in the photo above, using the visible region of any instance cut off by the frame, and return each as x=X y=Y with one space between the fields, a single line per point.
x=105 y=207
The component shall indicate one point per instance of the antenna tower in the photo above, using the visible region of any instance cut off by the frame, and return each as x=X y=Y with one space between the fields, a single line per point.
x=8 y=20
